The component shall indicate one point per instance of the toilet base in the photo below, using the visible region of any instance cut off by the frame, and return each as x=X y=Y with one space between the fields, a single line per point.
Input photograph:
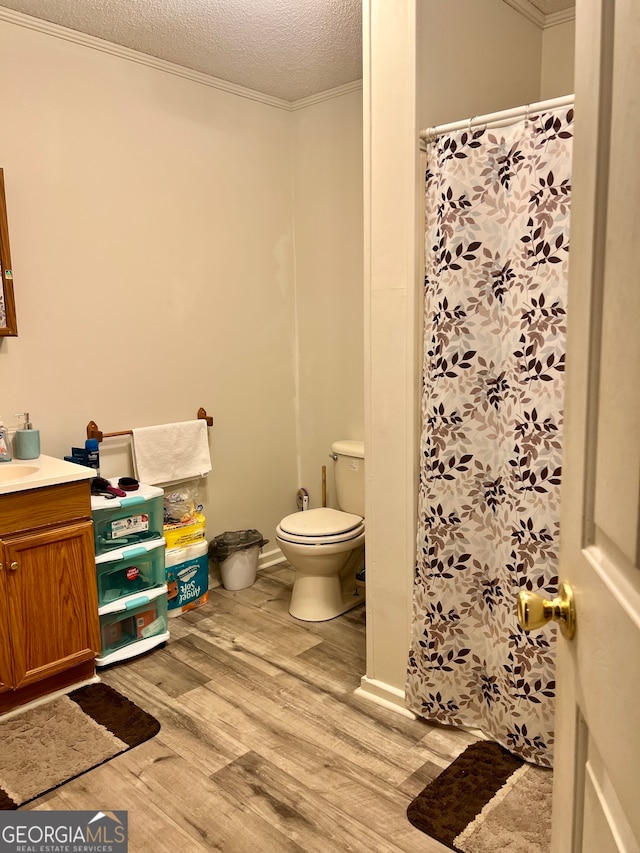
x=309 y=603
x=318 y=598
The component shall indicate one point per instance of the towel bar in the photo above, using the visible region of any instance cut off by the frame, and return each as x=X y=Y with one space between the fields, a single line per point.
x=94 y=432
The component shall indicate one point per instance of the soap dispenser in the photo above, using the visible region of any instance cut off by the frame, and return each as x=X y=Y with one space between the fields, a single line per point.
x=27 y=441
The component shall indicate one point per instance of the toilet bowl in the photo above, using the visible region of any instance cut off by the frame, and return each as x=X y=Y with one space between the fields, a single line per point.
x=326 y=546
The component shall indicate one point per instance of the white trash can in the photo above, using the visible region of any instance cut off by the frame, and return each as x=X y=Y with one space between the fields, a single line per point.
x=237 y=552
x=239 y=570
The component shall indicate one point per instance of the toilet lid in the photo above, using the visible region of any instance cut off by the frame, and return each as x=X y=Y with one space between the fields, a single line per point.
x=350 y=535
x=320 y=522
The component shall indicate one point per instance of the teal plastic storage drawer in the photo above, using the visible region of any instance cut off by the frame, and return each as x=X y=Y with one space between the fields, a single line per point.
x=132 y=520
x=130 y=570
x=141 y=621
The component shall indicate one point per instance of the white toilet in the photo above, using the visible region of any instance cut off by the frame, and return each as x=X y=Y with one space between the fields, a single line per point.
x=326 y=546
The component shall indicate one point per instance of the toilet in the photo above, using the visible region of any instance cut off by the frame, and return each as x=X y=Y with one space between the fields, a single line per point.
x=326 y=546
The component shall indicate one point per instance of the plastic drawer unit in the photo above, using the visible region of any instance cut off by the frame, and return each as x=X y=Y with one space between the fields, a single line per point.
x=129 y=571
x=132 y=520
x=133 y=625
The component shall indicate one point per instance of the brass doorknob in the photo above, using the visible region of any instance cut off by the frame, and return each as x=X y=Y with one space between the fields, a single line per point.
x=535 y=611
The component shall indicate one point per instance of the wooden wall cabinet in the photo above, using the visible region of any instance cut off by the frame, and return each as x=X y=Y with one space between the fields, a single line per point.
x=49 y=627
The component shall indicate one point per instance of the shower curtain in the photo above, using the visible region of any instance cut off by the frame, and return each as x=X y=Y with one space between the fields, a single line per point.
x=497 y=241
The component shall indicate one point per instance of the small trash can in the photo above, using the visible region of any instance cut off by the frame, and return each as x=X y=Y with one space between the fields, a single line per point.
x=237 y=552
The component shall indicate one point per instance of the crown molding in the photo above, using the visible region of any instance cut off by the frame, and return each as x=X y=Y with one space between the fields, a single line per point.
x=528 y=10
x=94 y=43
x=337 y=92
x=564 y=17
x=103 y=46
x=533 y=14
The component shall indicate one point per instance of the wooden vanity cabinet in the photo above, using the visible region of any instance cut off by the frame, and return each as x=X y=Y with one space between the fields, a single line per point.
x=49 y=626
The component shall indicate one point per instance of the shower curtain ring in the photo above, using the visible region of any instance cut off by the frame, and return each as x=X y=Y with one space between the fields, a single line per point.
x=526 y=116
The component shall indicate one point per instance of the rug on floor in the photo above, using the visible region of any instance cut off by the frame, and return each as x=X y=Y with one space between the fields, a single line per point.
x=50 y=744
x=486 y=801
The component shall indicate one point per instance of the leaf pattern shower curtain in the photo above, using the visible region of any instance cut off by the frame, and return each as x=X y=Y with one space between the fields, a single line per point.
x=497 y=240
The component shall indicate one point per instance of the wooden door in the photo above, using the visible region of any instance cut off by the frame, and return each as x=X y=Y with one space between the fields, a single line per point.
x=596 y=773
x=52 y=601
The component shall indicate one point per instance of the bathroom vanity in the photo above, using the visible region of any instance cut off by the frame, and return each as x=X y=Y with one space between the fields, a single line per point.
x=49 y=630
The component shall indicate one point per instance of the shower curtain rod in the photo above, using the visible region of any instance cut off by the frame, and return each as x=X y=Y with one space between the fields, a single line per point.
x=499 y=119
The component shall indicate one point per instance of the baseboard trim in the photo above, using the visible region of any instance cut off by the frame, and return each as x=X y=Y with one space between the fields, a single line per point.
x=384 y=694
x=271 y=558
x=49 y=697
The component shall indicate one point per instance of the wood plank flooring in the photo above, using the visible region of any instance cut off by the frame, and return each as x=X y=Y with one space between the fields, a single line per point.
x=264 y=747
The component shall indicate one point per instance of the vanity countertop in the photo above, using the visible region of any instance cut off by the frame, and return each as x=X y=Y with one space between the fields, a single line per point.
x=21 y=474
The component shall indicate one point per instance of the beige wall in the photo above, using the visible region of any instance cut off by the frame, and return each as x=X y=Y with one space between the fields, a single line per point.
x=425 y=63
x=475 y=57
x=177 y=246
x=152 y=233
x=327 y=179
x=558 y=56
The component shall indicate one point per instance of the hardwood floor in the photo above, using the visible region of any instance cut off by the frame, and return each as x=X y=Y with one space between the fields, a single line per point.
x=264 y=747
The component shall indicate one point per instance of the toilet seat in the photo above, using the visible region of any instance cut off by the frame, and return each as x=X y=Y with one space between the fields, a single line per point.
x=320 y=522
x=324 y=526
x=319 y=540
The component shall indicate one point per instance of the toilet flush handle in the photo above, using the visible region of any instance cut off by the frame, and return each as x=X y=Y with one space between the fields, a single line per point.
x=333 y=456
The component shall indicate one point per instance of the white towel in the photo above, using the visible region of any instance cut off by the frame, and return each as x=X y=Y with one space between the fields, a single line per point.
x=171 y=452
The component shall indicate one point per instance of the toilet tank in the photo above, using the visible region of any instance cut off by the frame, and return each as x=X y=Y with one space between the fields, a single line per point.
x=349 y=475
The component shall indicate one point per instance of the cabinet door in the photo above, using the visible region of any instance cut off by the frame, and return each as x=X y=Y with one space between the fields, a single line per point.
x=52 y=601
x=6 y=673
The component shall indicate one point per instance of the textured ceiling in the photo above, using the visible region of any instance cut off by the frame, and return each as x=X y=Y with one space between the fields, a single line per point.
x=289 y=49
x=286 y=48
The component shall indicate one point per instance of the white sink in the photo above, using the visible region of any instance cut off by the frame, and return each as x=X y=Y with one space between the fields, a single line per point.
x=11 y=472
x=19 y=476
